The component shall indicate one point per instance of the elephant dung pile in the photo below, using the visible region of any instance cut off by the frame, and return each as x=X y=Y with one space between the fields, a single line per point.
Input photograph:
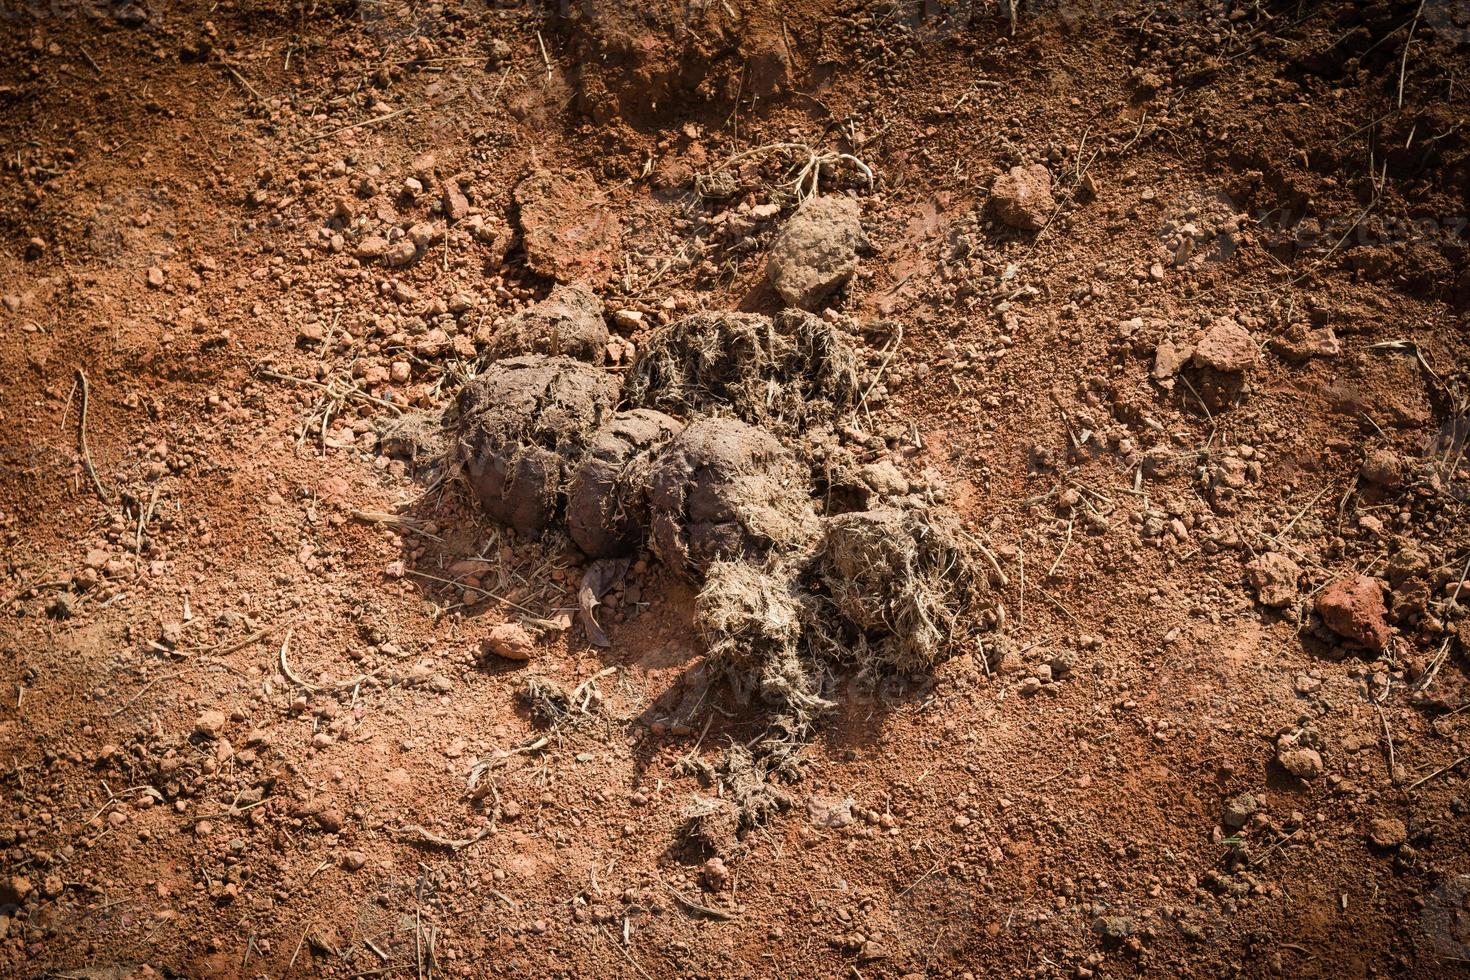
x=703 y=453
x=722 y=450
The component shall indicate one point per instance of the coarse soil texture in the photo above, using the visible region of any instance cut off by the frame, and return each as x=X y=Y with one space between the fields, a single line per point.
x=839 y=489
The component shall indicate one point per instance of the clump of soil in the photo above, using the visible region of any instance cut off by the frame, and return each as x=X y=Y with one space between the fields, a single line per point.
x=607 y=506
x=907 y=580
x=567 y=322
x=785 y=374
x=511 y=641
x=724 y=489
x=1022 y=197
x=635 y=60
x=1214 y=366
x=522 y=424
x=568 y=228
x=1274 y=578
x=816 y=251
x=1352 y=607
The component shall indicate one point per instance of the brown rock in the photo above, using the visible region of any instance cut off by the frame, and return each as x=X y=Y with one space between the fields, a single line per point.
x=716 y=876
x=1169 y=357
x=400 y=253
x=570 y=230
x=511 y=641
x=1238 y=811
x=372 y=247
x=1322 y=343
x=456 y=205
x=329 y=819
x=14 y=890
x=1352 y=607
x=210 y=724
x=1274 y=577
x=1300 y=345
x=816 y=251
x=1302 y=763
x=1022 y=198
x=1225 y=346
x=1383 y=468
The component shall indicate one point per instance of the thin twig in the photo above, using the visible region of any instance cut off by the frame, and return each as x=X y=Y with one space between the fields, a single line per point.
x=1388 y=735
x=1061 y=554
x=1274 y=848
x=883 y=365
x=915 y=883
x=244 y=83
x=1404 y=61
x=1058 y=603
x=626 y=955
x=351 y=392
x=226 y=649
x=422 y=835
x=1002 y=579
x=82 y=440
x=375 y=121
x=1438 y=772
x=694 y=906
x=90 y=60
x=472 y=588
x=1021 y=593
x=132 y=700
x=545 y=59
x=291 y=676
x=300 y=943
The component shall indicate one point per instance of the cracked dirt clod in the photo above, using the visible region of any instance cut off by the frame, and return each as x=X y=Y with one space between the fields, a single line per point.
x=1383 y=468
x=568 y=322
x=570 y=230
x=607 y=506
x=522 y=424
x=724 y=489
x=785 y=373
x=906 y=580
x=1022 y=197
x=1352 y=607
x=1226 y=347
x=1274 y=578
x=511 y=641
x=1301 y=761
x=816 y=251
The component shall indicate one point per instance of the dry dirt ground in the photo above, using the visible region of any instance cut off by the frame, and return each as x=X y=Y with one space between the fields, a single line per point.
x=1203 y=398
